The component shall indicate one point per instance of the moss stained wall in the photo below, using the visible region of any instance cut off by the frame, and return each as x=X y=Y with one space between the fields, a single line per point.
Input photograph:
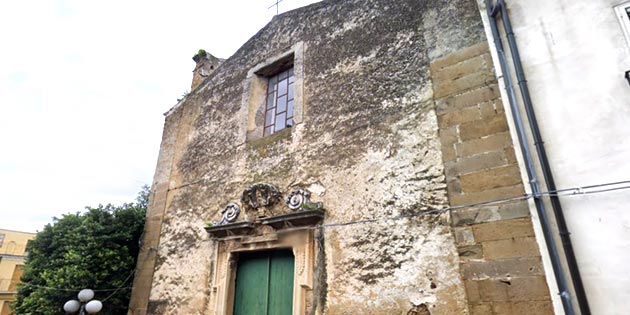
x=368 y=147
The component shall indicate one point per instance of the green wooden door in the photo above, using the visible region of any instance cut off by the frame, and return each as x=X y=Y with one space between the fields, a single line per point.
x=250 y=293
x=264 y=283
x=280 y=300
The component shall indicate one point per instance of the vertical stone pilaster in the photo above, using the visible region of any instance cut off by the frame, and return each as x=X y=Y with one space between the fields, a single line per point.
x=155 y=215
x=500 y=261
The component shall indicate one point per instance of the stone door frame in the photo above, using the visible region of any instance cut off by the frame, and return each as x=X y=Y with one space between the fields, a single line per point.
x=300 y=241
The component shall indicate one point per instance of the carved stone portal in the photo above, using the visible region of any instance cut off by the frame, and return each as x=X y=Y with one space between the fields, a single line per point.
x=301 y=242
x=294 y=230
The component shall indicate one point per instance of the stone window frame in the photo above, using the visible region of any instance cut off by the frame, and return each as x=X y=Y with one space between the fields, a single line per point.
x=302 y=244
x=2 y=237
x=255 y=90
x=623 y=14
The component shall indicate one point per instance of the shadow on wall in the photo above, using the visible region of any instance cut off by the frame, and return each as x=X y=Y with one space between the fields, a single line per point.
x=421 y=309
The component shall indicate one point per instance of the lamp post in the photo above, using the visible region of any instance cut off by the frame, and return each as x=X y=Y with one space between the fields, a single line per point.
x=84 y=304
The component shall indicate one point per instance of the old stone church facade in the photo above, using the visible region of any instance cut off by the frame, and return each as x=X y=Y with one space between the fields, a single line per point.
x=353 y=157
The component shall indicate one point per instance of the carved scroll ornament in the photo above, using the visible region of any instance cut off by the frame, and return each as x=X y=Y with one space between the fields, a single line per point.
x=230 y=214
x=299 y=200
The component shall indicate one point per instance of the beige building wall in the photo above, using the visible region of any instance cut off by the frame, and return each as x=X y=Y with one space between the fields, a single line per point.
x=12 y=256
x=574 y=56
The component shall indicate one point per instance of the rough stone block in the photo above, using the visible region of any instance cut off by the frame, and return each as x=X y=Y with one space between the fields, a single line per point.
x=510 y=248
x=154 y=219
x=513 y=267
x=143 y=277
x=491 y=108
x=487 y=195
x=510 y=155
x=528 y=289
x=488 y=60
x=464 y=236
x=501 y=230
x=490 y=179
x=453 y=187
x=161 y=188
x=470 y=252
x=158 y=202
x=481 y=309
x=493 y=290
x=459 y=56
x=478 y=215
x=151 y=233
x=472 y=291
x=449 y=136
x=157 y=206
x=468 y=82
x=466 y=216
x=502 y=308
x=483 y=128
x=458 y=70
x=467 y=98
x=523 y=308
x=448 y=153
x=496 y=142
x=514 y=210
x=476 y=163
x=457 y=117
x=475 y=215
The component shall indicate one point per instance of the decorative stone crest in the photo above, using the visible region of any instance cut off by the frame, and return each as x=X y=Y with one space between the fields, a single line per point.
x=230 y=214
x=299 y=200
x=260 y=195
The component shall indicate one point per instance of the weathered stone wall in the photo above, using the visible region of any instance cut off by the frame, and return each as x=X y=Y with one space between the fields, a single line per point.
x=500 y=259
x=155 y=214
x=368 y=147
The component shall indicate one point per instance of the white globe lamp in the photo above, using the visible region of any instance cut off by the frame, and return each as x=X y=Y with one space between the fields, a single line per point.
x=85 y=304
x=71 y=306
x=93 y=306
x=86 y=295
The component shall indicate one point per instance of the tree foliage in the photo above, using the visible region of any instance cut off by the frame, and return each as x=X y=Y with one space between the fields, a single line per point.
x=96 y=249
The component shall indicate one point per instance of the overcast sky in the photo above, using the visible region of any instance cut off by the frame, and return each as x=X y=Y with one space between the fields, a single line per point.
x=83 y=88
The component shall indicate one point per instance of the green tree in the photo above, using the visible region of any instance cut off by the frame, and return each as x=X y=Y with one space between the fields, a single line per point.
x=96 y=249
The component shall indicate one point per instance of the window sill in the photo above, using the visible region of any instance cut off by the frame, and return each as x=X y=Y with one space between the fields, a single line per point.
x=284 y=134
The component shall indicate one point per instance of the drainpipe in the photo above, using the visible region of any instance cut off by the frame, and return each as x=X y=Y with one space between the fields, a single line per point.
x=493 y=11
x=563 y=230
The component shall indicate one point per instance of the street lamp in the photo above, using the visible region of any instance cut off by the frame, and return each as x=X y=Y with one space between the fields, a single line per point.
x=85 y=304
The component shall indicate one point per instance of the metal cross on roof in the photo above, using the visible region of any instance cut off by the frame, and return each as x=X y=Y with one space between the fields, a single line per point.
x=277 y=5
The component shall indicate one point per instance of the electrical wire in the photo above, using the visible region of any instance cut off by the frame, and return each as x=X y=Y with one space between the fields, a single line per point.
x=122 y=287
x=593 y=186
x=69 y=290
x=583 y=190
x=566 y=192
x=124 y=282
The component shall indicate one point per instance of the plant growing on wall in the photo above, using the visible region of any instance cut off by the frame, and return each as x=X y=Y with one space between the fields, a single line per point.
x=96 y=249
